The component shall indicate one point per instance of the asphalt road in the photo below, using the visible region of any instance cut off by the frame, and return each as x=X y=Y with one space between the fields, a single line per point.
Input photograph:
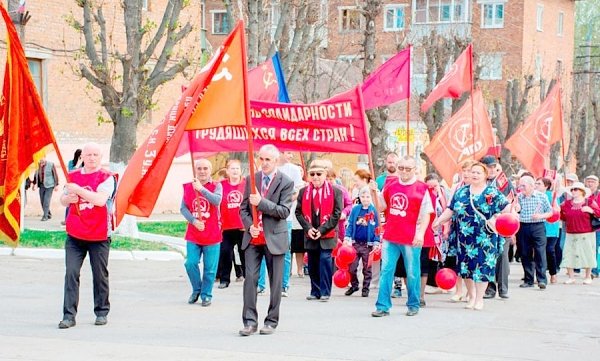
x=151 y=320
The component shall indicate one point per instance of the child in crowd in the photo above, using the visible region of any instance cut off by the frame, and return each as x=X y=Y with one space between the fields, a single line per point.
x=361 y=233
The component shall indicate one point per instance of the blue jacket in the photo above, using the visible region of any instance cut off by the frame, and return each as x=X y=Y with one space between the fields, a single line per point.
x=371 y=227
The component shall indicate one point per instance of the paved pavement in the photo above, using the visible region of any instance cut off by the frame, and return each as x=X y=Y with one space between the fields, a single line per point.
x=150 y=320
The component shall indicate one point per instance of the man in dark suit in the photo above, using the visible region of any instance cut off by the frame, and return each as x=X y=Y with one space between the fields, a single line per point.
x=318 y=211
x=269 y=239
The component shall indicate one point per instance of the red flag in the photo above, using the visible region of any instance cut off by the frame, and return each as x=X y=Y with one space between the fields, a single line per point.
x=456 y=81
x=389 y=83
x=532 y=141
x=145 y=174
x=453 y=143
x=25 y=133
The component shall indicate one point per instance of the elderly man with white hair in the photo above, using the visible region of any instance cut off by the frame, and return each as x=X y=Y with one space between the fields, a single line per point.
x=89 y=196
x=534 y=209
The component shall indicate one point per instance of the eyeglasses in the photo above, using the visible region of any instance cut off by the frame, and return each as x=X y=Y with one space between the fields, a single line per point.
x=318 y=174
x=405 y=169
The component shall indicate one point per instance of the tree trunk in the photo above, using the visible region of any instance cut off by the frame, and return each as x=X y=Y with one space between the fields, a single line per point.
x=124 y=138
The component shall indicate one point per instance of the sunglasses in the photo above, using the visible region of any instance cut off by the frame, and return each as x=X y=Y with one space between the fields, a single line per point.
x=407 y=169
x=318 y=174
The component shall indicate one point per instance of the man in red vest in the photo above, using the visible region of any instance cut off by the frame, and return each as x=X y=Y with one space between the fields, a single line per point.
x=89 y=198
x=407 y=207
x=231 y=222
x=200 y=208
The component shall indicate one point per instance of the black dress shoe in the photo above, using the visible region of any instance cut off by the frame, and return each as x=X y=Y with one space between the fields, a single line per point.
x=223 y=285
x=365 y=292
x=267 y=330
x=101 y=321
x=66 y=323
x=503 y=295
x=350 y=291
x=193 y=298
x=247 y=330
x=526 y=285
x=542 y=286
x=489 y=295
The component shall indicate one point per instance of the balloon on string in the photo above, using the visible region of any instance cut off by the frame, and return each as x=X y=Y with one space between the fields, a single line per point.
x=554 y=217
x=507 y=224
x=346 y=254
x=341 y=265
x=336 y=248
x=341 y=278
x=305 y=258
x=446 y=278
x=376 y=254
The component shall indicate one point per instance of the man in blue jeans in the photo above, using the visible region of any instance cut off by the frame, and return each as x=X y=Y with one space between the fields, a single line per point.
x=407 y=207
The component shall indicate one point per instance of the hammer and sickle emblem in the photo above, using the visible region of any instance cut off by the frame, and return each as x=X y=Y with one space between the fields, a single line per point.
x=269 y=79
x=543 y=128
x=462 y=136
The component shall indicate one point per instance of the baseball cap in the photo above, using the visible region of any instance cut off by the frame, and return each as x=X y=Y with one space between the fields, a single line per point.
x=572 y=177
x=489 y=160
x=592 y=177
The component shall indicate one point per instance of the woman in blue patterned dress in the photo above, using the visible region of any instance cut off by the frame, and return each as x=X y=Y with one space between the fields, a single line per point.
x=471 y=208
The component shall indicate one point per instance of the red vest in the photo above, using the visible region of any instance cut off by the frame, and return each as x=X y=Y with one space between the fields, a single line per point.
x=86 y=221
x=230 y=205
x=206 y=212
x=402 y=212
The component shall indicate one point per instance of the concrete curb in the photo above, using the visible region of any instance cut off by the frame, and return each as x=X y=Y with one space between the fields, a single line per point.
x=45 y=253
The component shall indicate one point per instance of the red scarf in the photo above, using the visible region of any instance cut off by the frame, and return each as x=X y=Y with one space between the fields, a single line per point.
x=327 y=199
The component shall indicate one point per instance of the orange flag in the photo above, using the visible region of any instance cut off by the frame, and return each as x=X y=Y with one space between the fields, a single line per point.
x=145 y=174
x=457 y=80
x=454 y=143
x=532 y=140
x=25 y=133
x=223 y=103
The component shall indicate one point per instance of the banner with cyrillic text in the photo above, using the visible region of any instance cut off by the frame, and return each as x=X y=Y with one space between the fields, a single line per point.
x=335 y=125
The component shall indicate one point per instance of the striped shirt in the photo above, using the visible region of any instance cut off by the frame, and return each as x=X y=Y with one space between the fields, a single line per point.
x=536 y=203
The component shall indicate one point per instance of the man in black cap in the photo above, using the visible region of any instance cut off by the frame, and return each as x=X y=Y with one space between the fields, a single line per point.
x=502 y=264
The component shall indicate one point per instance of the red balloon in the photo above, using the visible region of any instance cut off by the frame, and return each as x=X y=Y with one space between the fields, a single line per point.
x=336 y=248
x=346 y=254
x=305 y=258
x=554 y=217
x=341 y=278
x=445 y=278
x=376 y=254
x=340 y=265
x=507 y=224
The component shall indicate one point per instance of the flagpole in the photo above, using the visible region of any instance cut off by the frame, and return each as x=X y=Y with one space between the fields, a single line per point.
x=562 y=133
x=302 y=162
x=251 y=164
x=370 y=153
x=472 y=102
x=407 y=105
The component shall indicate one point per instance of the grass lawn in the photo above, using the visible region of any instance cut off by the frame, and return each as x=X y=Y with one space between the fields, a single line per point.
x=56 y=239
x=174 y=229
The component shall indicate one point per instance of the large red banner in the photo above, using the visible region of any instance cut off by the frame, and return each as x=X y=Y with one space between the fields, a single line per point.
x=335 y=125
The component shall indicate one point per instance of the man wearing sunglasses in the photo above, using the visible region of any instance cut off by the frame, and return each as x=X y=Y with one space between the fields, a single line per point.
x=265 y=237
x=407 y=207
x=318 y=211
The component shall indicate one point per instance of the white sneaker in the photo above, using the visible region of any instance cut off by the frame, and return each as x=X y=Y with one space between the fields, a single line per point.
x=285 y=292
x=587 y=281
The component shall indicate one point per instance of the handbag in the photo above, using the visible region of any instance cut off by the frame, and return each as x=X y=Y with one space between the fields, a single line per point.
x=594 y=220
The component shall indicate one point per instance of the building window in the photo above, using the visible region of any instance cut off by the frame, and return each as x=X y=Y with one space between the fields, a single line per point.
x=561 y=19
x=394 y=18
x=491 y=66
x=350 y=19
x=440 y=11
x=540 y=18
x=492 y=16
x=559 y=68
x=35 y=68
x=220 y=22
